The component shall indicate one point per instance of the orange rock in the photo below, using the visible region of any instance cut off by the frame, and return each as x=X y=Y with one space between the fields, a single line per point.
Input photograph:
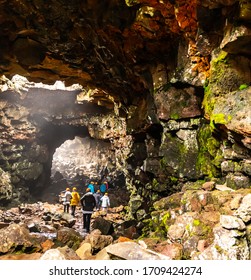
x=123 y=239
x=46 y=245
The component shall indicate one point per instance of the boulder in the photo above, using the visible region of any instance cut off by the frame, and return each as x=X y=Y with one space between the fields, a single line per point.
x=16 y=237
x=84 y=251
x=231 y=222
x=69 y=237
x=64 y=253
x=132 y=251
x=97 y=240
x=103 y=225
x=244 y=211
x=227 y=245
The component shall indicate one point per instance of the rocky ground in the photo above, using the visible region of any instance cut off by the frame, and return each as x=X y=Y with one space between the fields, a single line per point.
x=44 y=231
x=202 y=222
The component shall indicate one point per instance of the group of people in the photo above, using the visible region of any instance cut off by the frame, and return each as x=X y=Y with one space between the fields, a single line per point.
x=70 y=199
x=89 y=201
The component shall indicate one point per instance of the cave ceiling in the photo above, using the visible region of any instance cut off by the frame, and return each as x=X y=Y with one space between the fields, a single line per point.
x=109 y=45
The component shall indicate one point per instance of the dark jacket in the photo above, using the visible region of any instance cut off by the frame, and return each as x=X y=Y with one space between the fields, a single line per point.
x=88 y=202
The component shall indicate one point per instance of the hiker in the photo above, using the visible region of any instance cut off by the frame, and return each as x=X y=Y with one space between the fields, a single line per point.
x=88 y=203
x=103 y=188
x=66 y=200
x=97 y=196
x=91 y=187
x=105 y=202
x=74 y=201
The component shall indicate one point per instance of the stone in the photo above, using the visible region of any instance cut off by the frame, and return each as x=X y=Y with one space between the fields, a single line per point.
x=173 y=251
x=231 y=222
x=247 y=167
x=236 y=201
x=69 y=237
x=226 y=246
x=176 y=232
x=5 y=186
x=179 y=155
x=15 y=236
x=47 y=245
x=171 y=201
x=133 y=251
x=208 y=186
x=103 y=225
x=84 y=251
x=12 y=257
x=173 y=109
x=237 y=39
x=244 y=211
x=237 y=181
x=202 y=245
x=53 y=254
x=98 y=241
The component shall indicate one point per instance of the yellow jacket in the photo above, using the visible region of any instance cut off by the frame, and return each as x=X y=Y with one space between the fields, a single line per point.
x=75 y=198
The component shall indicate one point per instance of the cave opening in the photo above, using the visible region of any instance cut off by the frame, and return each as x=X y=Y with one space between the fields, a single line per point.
x=80 y=160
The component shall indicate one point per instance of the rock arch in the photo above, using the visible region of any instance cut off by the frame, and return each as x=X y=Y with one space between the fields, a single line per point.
x=37 y=119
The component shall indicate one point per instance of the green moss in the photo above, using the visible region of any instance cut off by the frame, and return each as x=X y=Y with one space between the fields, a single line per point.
x=218 y=249
x=220 y=118
x=214 y=86
x=196 y=222
x=208 y=101
x=174 y=116
x=164 y=224
x=221 y=58
x=208 y=150
x=173 y=179
x=243 y=86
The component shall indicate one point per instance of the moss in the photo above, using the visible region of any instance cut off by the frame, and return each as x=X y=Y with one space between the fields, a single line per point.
x=164 y=223
x=173 y=179
x=243 y=86
x=208 y=102
x=196 y=222
x=174 y=116
x=215 y=84
x=219 y=119
x=208 y=150
x=155 y=183
x=218 y=249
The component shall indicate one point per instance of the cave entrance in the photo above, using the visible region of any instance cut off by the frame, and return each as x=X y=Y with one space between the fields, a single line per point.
x=78 y=161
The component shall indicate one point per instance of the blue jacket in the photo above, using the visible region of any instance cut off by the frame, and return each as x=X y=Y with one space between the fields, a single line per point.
x=103 y=188
x=91 y=187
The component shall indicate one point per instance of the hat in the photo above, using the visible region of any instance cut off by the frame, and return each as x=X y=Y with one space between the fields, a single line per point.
x=74 y=189
x=67 y=189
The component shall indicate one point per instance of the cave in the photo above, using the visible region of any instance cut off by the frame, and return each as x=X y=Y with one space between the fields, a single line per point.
x=155 y=94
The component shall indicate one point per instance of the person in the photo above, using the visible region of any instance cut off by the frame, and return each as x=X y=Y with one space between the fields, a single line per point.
x=74 y=201
x=102 y=188
x=91 y=187
x=105 y=202
x=67 y=200
x=88 y=203
x=97 y=196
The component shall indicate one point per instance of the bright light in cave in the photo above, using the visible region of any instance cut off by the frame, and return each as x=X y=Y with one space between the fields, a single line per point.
x=84 y=156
